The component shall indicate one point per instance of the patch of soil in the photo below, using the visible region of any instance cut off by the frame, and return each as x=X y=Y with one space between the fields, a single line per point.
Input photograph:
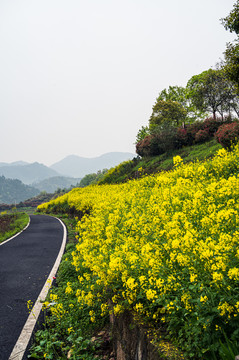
x=6 y=221
x=105 y=349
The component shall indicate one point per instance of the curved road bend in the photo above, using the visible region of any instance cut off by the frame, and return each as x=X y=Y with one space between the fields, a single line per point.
x=25 y=263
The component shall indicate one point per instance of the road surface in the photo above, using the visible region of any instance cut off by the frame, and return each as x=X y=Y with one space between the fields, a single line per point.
x=25 y=263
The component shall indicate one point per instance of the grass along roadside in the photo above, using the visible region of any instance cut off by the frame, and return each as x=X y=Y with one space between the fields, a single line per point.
x=11 y=224
x=154 y=164
x=30 y=210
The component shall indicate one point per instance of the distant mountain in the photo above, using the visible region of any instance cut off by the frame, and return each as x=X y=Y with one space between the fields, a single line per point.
x=27 y=173
x=13 y=163
x=14 y=191
x=77 y=166
x=50 y=185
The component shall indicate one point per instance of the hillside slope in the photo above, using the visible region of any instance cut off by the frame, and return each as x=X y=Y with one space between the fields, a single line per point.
x=14 y=191
x=27 y=173
x=150 y=165
x=165 y=249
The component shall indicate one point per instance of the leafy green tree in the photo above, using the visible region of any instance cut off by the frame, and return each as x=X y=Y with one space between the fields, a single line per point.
x=231 y=23
x=166 y=113
x=174 y=93
x=92 y=178
x=179 y=94
x=87 y=179
x=231 y=96
x=232 y=62
x=212 y=91
x=142 y=133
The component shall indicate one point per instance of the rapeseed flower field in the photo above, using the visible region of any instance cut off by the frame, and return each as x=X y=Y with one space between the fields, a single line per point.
x=166 y=248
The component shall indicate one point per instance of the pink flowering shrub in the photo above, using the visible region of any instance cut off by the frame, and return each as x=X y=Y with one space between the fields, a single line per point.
x=202 y=136
x=228 y=134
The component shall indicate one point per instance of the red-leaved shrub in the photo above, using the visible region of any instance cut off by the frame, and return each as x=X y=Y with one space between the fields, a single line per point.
x=183 y=138
x=143 y=146
x=228 y=134
x=192 y=130
x=202 y=136
x=169 y=138
x=211 y=125
x=158 y=143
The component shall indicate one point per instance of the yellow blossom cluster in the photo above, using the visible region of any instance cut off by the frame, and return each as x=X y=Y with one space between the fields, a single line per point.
x=164 y=244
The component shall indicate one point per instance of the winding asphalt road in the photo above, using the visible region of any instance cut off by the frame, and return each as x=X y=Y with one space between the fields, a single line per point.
x=25 y=263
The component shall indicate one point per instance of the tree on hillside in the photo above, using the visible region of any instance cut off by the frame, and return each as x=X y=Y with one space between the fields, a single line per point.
x=179 y=94
x=211 y=91
x=165 y=114
x=231 y=23
x=92 y=178
x=174 y=93
x=142 y=133
x=232 y=62
x=231 y=104
x=87 y=179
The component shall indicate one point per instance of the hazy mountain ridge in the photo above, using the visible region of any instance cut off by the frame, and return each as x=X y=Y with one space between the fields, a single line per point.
x=13 y=191
x=20 y=163
x=29 y=173
x=76 y=166
x=50 y=185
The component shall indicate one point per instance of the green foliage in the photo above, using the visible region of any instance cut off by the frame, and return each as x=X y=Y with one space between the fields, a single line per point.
x=174 y=93
x=231 y=22
x=228 y=350
x=212 y=91
x=179 y=94
x=157 y=163
x=11 y=224
x=232 y=62
x=119 y=173
x=178 y=106
x=142 y=133
x=92 y=178
x=165 y=114
x=88 y=179
x=209 y=91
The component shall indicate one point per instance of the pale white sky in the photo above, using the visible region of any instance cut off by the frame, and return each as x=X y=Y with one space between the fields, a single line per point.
x=81 y=77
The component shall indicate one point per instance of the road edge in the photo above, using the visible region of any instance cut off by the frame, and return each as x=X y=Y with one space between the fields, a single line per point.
x=5 y=241
x=26 y=333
